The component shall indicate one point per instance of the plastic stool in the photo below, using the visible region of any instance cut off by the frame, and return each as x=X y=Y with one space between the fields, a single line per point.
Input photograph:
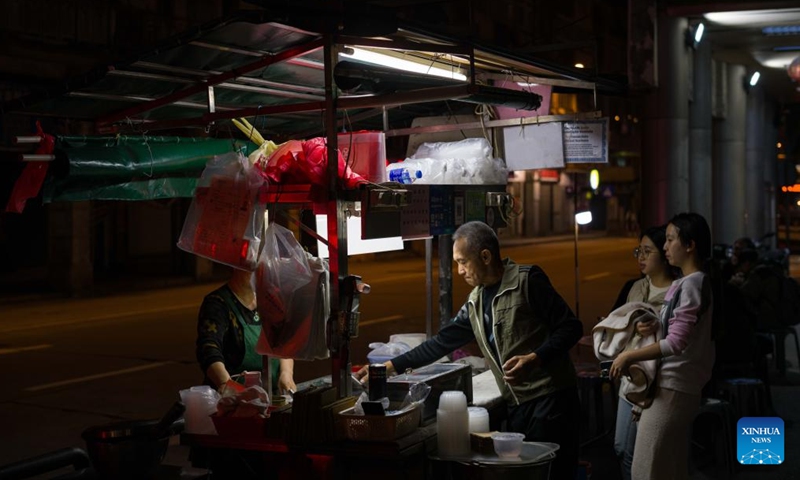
x=779 y=338
x=748 y=396
x=724 y=413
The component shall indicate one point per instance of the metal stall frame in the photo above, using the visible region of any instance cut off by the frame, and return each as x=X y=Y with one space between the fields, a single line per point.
x=151 y=115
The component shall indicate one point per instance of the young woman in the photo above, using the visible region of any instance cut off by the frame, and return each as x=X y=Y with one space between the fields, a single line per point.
x=686 y=353
x=658 y=276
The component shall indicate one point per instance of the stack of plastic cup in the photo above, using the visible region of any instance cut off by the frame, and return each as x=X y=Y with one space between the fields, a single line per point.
x=478 y=420
x=452 y=424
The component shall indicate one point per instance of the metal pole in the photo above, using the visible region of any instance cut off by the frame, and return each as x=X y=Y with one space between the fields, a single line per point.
x=575 y=221
x=577 y=277
x=429 y=287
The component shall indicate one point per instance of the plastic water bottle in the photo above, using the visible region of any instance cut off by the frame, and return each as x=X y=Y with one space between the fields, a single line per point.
x=404 y=175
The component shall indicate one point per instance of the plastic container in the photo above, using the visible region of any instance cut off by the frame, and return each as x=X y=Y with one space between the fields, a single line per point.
x=452 y=432
x=365 y=153
x=478 y=420
x=404 y=175
x=452 y=424
x=453 y=401
x=507 y=444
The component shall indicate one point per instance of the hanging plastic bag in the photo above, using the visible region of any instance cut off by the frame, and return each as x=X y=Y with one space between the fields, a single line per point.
x=224 y=219
x=296 y=162
x=293 y=298
x=283 y=268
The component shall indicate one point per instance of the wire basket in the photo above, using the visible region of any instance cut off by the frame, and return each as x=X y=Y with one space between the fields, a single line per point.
x=377 y=428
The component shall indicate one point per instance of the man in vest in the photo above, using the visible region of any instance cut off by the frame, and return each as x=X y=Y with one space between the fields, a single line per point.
x=525 y=330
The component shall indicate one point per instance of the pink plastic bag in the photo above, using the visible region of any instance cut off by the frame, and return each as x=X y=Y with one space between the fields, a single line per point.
x=306 y=162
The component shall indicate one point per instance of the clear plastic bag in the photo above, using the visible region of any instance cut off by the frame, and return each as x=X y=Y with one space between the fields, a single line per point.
x=416 y=395
x=292 y=292
x=466 y=162
x=382 y=352
x=225 y=219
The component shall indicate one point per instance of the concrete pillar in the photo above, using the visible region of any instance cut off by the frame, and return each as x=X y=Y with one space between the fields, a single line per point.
x=771 y=187
x=700 y=135
x=729 y=161
x=69 y=247
x=754 y=165
x=665 y=152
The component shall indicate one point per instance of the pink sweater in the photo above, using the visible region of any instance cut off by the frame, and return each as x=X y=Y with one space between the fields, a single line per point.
x=687 y=349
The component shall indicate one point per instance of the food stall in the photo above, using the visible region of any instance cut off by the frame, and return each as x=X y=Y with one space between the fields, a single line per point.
x=293 y=83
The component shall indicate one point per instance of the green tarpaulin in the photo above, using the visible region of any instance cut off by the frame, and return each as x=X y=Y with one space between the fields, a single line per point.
x=131 y=167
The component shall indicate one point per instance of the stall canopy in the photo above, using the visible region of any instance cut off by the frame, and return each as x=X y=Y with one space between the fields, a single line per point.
x=258 y=64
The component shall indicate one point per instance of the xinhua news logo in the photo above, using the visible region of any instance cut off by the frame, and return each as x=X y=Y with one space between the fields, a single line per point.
x=759 y=441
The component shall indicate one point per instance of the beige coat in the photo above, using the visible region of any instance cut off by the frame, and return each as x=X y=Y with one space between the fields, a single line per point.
x=617 y=333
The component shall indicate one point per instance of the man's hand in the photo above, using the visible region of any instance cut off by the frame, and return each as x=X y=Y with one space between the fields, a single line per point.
x=517 y=368
x=647 y=328
x=363 y=374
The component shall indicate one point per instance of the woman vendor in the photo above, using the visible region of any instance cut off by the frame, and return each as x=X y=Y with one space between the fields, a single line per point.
x=228 y=327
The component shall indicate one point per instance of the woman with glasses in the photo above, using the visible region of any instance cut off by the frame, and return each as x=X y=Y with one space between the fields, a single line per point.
x=658 y=276
x=685 y=353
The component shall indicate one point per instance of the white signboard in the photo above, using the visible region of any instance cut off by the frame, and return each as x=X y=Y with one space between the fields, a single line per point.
x=530 y=147
x=586 y=141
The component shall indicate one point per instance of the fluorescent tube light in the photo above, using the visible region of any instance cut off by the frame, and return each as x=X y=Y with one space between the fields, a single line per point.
x=390 y=61
x=752 y=18
x=754 y=79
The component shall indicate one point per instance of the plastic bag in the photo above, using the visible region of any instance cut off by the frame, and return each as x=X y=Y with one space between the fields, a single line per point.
x=465 y=162
x=296 y=162
x=249 y=402
x=201 y=401
x=469 y=149
x=225 y=219
x=282 y=269
x=416 y=395
x=292 y=288
x=382 y=352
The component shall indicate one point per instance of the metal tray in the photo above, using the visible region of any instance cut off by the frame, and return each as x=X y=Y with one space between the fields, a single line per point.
x=532 y=452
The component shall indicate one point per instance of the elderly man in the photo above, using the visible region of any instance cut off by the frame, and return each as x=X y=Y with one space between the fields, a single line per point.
x=525 y=330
